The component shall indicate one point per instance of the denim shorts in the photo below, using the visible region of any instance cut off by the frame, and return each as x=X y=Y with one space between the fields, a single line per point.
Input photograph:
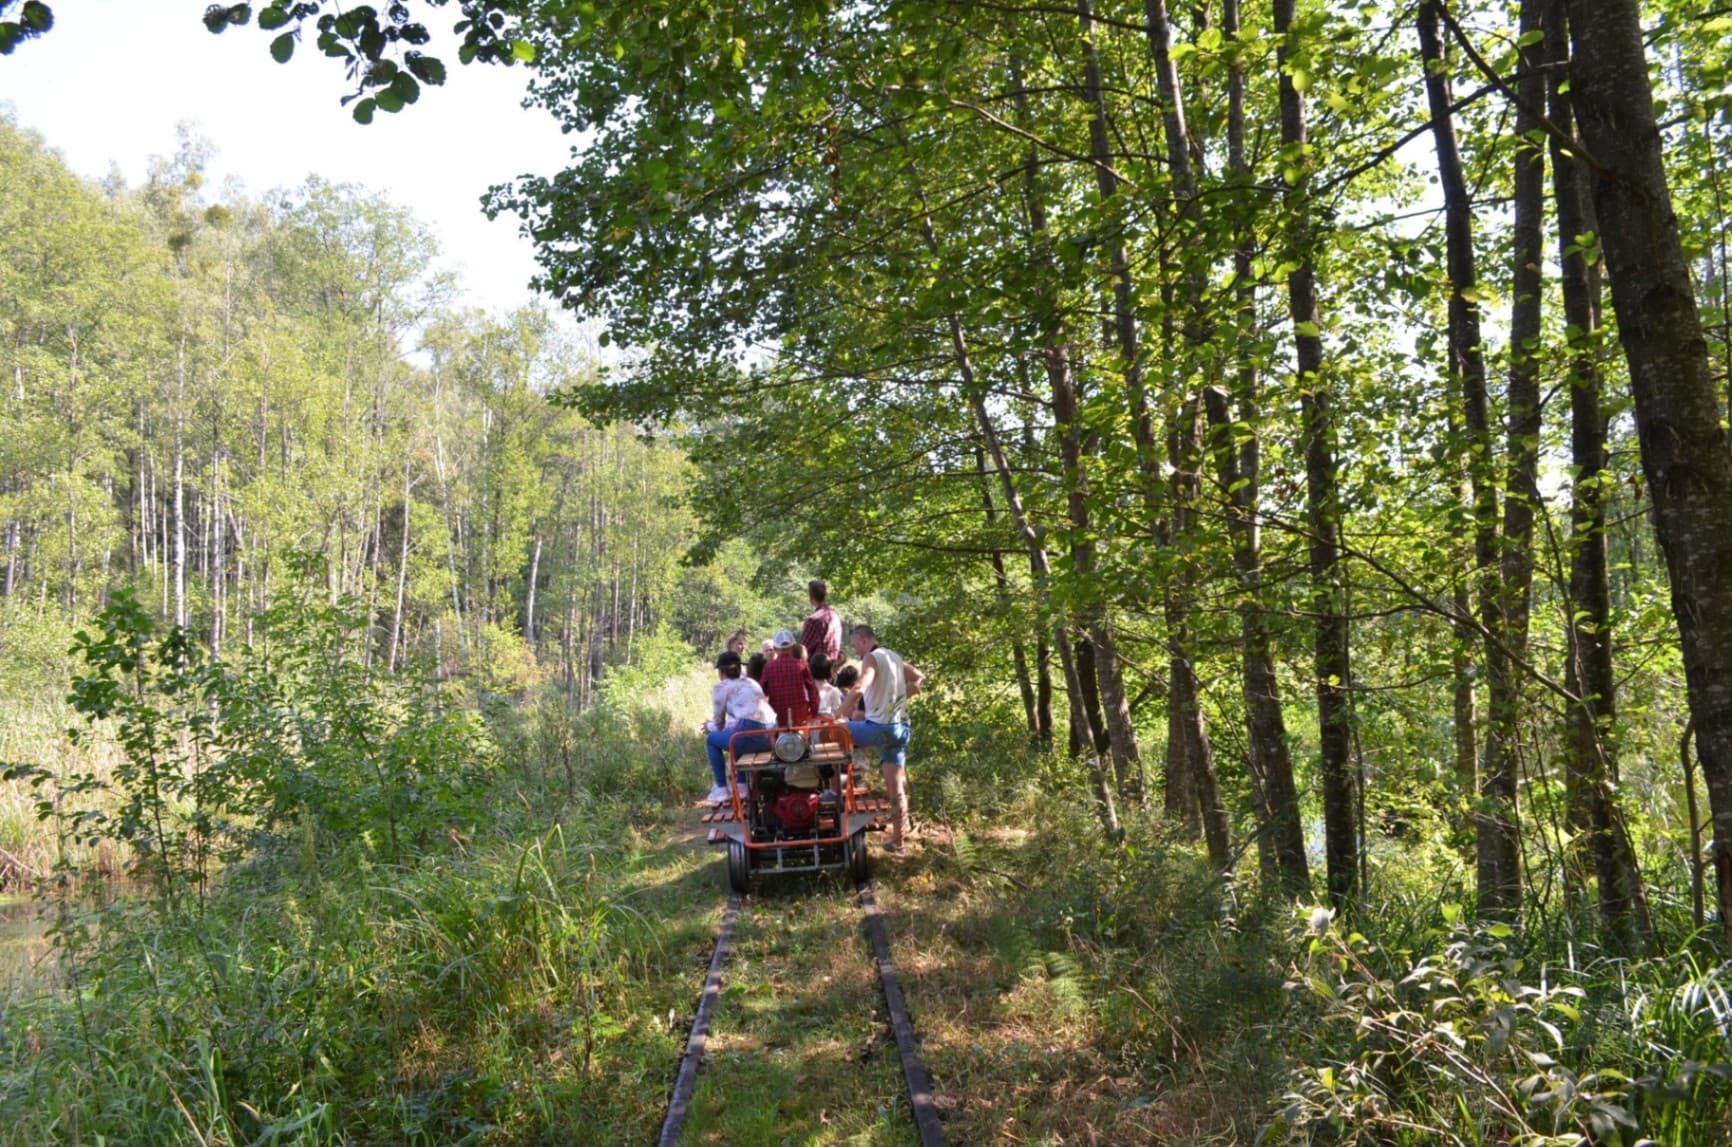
x=891 y=741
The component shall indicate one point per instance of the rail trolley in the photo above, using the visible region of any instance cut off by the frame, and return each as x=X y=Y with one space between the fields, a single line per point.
x=799 y=810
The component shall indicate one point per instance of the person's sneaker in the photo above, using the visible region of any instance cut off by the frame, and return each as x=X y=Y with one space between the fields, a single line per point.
x=895 y=849
x=717 y=795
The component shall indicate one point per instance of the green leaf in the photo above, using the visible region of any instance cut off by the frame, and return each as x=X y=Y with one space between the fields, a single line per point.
x=1311 y=331
x=405 y=88
x=1529 y=39
x=37 y=16
x=1300 y=77
x=388 y=100
x=283 y=47
x=272 y=18
x=523 y=50
x=427 y=69
x=364 y=110
x=1501 y=931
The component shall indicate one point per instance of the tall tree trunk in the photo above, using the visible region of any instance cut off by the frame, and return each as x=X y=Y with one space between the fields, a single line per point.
x=11 y=557
x=1281 y=840
x=1281 y=843
x=1188 y=745
x=453 y=525
x=1500 y=847
x=1043 y=687
x=1684 y=448
x=1001 y=594
x=1107 y=706
x=529 y=591
x=402 y=568
x=1323 y=506
x=1465 y=701
x=1592 y=765
x=1497 y=842
x=1078 y=681
x=180 y=489
x=218 y=562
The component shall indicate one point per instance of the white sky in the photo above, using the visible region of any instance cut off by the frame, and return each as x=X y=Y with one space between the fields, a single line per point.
x=108 y=84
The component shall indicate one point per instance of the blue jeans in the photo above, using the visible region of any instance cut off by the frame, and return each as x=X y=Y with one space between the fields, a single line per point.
x=717 y=743
x=891 y=741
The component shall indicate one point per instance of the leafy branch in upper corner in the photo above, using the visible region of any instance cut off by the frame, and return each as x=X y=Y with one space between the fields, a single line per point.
x=381 y=51
x=34 y=18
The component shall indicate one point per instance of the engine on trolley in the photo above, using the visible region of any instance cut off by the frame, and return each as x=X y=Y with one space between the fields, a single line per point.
x=795 y=808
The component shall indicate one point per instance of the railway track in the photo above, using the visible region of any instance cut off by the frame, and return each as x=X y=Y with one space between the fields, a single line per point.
x=914 y=1073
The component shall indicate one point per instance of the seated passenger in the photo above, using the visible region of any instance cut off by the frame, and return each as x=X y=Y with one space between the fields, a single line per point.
x=789 y=685
x=828 y=695
x=740 y=706
x=846 y=679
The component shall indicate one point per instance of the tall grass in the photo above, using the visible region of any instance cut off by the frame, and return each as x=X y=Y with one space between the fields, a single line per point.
x=33 y=733
x=504 y=981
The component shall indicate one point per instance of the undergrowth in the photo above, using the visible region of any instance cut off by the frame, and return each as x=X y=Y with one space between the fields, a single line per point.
x=428 y=937
x=1212 y=1012
x=514 y=968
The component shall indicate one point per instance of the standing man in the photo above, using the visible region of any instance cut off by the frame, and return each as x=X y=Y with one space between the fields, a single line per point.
x=885 y=680
x=823 y=629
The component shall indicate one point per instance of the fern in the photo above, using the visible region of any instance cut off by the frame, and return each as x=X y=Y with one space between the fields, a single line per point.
x=966 y=852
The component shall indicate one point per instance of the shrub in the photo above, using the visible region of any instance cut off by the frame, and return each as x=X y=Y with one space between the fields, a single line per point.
x=298 y=732
x=1467 y=1045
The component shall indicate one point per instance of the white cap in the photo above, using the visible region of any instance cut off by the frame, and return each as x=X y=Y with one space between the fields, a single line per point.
x=783 y=639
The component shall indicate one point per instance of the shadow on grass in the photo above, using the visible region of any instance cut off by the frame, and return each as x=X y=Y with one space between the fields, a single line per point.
x=1038 y=1033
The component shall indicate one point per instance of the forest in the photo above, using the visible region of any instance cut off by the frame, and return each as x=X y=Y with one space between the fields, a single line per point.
x=1293 y=438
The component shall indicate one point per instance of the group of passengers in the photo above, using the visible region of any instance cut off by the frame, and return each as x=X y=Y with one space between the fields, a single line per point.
x=794 y=682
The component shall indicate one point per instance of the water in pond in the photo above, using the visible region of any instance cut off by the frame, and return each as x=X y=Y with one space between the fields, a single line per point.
x=25 y=963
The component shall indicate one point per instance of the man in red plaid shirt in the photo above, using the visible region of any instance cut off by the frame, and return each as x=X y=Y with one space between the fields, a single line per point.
x=823 y=629
x=789 y=684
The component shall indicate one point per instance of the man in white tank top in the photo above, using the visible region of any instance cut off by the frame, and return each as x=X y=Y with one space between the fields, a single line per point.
x=884 y=683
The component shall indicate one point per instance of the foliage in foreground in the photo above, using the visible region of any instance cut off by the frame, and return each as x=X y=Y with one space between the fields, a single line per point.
x=1474 y=1041
x=1240 y=1016
x=426 y=941
x=510 y=975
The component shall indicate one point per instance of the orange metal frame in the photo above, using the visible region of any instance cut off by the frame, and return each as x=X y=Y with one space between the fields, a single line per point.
x=837 y=734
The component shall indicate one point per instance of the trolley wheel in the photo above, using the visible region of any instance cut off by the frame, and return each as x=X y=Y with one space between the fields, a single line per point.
x=739 y=868
x=859 y=863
